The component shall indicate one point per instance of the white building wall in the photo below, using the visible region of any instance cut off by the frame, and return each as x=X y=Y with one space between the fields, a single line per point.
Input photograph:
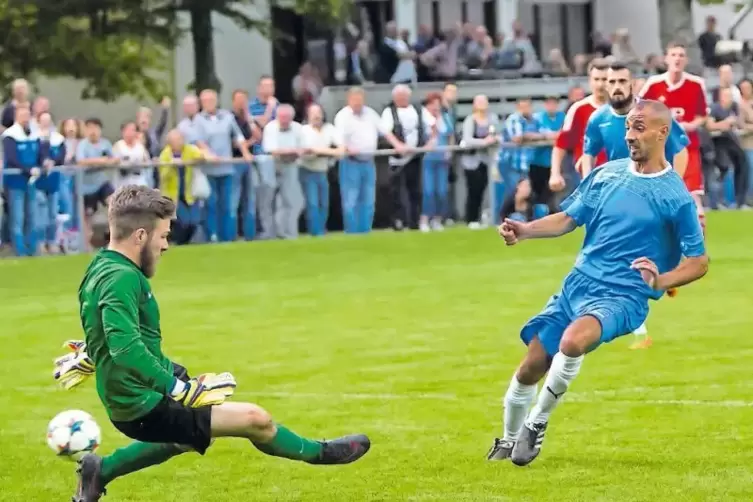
x=241 y=57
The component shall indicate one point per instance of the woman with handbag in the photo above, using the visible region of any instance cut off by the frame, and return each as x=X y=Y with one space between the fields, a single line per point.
x=187 y=185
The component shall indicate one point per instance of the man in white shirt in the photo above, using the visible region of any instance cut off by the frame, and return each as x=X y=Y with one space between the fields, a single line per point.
x=408 y=125
x=358 y=129
x=282 y=140
x=131 y=150
x=321 y=141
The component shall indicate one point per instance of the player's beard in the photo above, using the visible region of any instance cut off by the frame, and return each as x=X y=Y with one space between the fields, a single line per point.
x=621 y=102
x=148 y=260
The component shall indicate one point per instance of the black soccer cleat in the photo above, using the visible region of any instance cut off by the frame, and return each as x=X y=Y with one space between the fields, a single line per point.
x=90 y=486
x=342 y=450
x=528 y=446
x=501 y=449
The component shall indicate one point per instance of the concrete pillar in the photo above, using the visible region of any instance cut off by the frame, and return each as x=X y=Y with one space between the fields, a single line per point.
x=507 y=12
x=406 y=17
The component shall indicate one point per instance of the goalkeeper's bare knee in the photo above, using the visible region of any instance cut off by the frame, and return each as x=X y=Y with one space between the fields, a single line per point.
x=242 y=420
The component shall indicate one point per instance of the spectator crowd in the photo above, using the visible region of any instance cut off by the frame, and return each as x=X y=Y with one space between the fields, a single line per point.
x=468 y=51
x=253 y=171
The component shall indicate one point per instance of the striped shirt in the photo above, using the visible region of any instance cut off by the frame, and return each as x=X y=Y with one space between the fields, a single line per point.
x=520 y=158
x=257 y=109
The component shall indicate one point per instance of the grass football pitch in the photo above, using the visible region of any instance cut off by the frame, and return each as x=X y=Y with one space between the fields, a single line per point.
x=411 y=339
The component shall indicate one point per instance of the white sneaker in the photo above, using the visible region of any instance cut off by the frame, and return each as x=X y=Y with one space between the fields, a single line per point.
x=436 y=225
x=474 y=225
x=424 y=227
x=745 y=207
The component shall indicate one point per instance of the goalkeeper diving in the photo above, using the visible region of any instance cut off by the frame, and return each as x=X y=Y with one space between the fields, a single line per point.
x=147 y=397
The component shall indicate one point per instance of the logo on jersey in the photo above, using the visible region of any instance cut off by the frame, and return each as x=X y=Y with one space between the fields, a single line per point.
x=677 y=113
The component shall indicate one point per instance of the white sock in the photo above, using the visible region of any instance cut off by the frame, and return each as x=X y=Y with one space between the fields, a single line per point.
x=641 y=330
x=518 y=400
x=564 y=369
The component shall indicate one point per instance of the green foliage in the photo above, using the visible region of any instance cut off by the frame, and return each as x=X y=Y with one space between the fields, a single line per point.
x=119 y=47
x=110 y=52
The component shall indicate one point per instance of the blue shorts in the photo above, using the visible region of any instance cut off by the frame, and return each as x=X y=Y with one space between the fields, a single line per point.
x=620 y=312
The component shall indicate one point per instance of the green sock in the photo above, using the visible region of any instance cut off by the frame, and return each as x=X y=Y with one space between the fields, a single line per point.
x=137 y=456
x=288 y=444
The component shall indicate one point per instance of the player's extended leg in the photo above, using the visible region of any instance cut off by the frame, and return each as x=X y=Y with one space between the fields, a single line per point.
x=578 y=338
x=172 y=429
x=518 y=398
x=249 y=421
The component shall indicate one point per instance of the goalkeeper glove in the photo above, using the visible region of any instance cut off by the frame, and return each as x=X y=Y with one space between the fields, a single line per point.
x=224 y=382
x=72 y=369
x=206 y=390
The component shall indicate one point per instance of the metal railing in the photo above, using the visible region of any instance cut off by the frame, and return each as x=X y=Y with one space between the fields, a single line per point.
x=78 y=171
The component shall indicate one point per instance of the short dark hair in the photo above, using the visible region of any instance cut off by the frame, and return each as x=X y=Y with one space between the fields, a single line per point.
x=676 y=44
x=597 y=64
x=93 y=121
x=619 y=66
x=127 y=123
x=266 y=76
x=240 y=91
x=133 y=207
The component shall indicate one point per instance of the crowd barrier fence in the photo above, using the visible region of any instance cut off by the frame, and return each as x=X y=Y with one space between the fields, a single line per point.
x=78 y=171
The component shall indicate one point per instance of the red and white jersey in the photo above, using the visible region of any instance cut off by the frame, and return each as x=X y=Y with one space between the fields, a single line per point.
x=573 y=131
x=686 y=99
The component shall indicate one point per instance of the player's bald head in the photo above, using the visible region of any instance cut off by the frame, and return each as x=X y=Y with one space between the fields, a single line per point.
x=655 y=112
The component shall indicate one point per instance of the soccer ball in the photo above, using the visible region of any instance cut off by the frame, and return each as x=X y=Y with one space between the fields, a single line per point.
x=72 y=434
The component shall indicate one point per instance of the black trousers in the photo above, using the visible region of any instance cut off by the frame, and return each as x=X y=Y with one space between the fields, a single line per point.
x=405 y=191
x=476 y=181
x=731 y=154
x=540 y=191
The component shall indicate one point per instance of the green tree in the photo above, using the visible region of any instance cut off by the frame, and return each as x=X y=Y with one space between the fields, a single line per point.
x=202 y=34
x=109 y=50
x=119 y=47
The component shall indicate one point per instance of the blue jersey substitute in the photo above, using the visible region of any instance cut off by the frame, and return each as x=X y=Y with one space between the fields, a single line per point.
x=606 y=131
x=627 y=215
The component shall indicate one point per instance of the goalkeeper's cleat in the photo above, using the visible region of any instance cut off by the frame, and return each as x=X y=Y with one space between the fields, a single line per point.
x=342 y=450
x=197 y=395
x=500 y=450
x=528 y=445
x=90 y=486
x=672 y=292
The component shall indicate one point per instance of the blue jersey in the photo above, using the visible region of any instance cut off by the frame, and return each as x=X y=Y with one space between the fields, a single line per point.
x=630 y=215
x=606 y=131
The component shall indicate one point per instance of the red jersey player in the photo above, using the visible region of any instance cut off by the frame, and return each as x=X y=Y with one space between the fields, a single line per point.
x=570 y=138
x=685 y=95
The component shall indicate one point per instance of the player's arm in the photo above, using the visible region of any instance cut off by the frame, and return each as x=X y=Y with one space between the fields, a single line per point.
x=676 y=148
x=553 y=225
x=119 y=307
x=680 y=161
x=701 y=112
x=563 y=143
x=689 y=238
x=593 y=143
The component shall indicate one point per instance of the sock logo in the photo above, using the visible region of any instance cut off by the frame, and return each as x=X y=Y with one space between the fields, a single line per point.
x=556 y=396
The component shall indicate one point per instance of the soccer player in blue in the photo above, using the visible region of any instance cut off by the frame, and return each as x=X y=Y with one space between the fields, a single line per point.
x=606 y=131
x=640 y=221
x=606 y=127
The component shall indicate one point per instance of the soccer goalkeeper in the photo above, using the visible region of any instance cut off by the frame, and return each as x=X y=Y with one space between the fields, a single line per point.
x=137 y=384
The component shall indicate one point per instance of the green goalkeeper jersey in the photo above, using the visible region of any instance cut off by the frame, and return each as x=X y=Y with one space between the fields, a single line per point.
x=120 y=318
